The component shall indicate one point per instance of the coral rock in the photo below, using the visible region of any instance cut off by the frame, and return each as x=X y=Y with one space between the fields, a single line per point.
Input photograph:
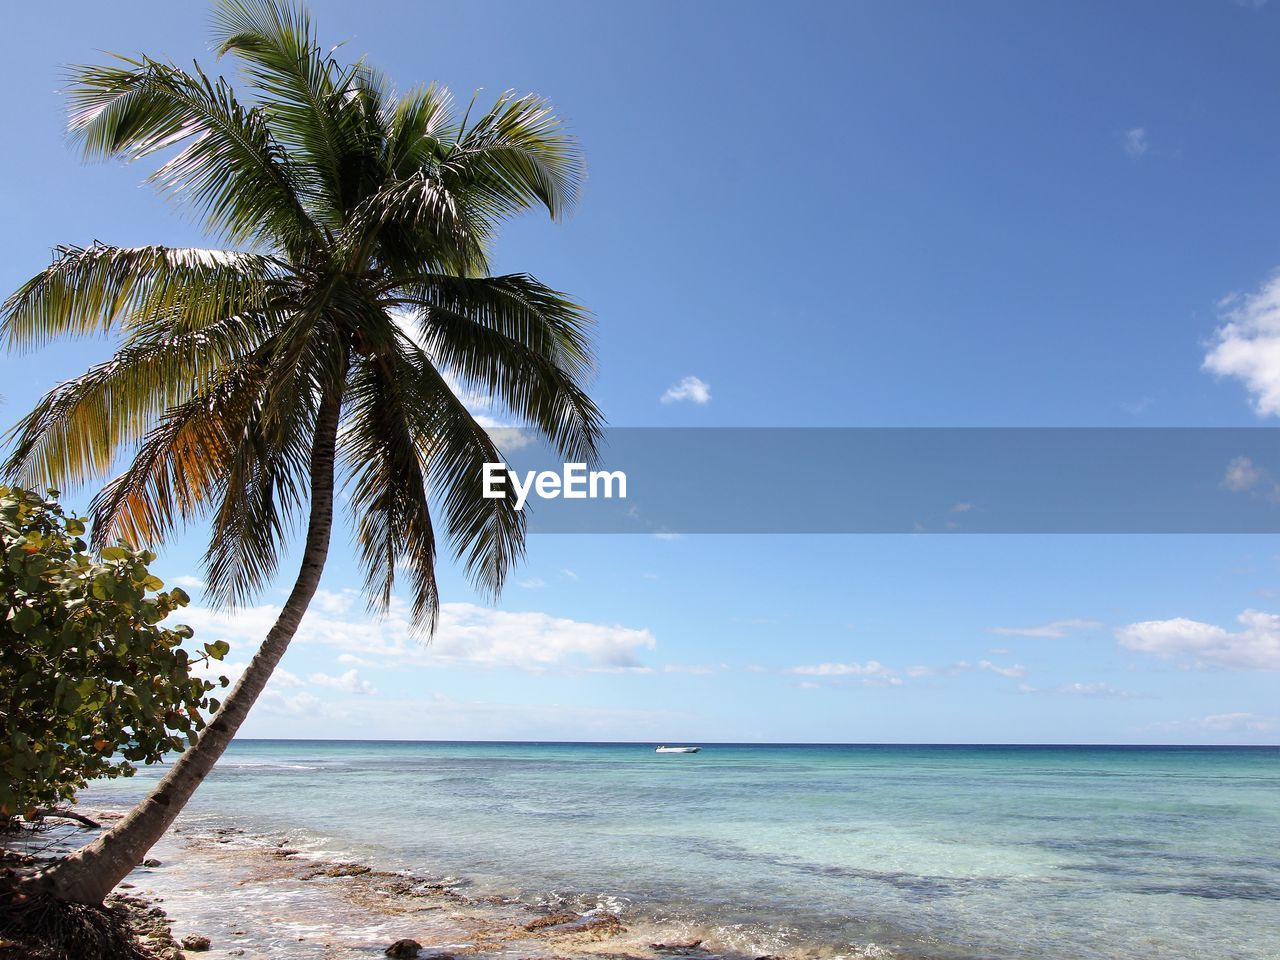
x=551 y=920
x=404 y=949
x=601 y=927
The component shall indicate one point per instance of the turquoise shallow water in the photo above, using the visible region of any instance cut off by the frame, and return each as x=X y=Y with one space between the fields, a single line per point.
x=939 y=851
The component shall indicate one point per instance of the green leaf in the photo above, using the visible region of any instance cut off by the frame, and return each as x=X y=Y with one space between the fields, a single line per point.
x=218 y=649
x=85 y=672
x=104 y=586
x=23 y=619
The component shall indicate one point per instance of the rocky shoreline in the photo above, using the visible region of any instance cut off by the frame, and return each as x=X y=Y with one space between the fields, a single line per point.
x=231 y=894
x=147 y=925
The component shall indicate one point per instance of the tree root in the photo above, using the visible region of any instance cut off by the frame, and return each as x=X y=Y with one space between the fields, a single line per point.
x=39 y=926
x=79 y=818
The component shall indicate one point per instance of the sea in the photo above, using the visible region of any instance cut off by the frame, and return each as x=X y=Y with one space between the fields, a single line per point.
x=949 y=852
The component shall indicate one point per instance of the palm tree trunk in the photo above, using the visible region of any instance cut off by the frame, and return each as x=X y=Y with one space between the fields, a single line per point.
x=88 y=875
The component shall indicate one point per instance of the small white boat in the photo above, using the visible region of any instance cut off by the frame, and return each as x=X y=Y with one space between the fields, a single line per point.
x=677 y=750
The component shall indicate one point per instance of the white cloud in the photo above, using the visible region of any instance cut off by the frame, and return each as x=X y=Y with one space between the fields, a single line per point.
x=1096 y=689
x=334 y=603
x=533 y=583
x=186 y=582
x=1247 y=345
x=506 y=436
x=1254 y=647
x=437 y=716
x=1244 y=476
x=1051 y=630
x=841 y=669
x=1241 y=475
x=689 y=388
x=1235 y=722
x=1228 y=722
x=1135 y=142
x=348 y=682
x=962 y=508
x=1014 y=671
x=294 y=705
x=467 y=635
x=213 y=669
x=697 y=669
x=568 y=574
x=351 y=660
x=273 y=700
x=871 y=673
x=951 y=670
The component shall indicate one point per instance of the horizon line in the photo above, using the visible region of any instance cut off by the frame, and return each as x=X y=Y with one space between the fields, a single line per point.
x=764 y=743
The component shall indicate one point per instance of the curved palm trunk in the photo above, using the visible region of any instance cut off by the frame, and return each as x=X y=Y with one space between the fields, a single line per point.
x=88 y=875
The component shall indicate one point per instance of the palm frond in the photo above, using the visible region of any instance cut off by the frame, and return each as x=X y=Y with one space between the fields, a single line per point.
x=487 y=535
x=74 y=433
x=230 y=166
x=422 y=118
x=263 y=490
x=517 y=155
x=417 y=223
x=92 y=289
x=388 y=491
x=519 y=341
x=180 y=465
x=301 y=90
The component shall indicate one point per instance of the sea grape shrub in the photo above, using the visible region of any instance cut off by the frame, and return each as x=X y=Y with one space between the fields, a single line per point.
x=90 y=682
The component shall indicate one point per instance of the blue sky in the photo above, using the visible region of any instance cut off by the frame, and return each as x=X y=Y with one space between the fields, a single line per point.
x=864 y=214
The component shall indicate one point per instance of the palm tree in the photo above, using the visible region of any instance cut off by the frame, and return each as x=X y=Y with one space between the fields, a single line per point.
x=329 y=346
